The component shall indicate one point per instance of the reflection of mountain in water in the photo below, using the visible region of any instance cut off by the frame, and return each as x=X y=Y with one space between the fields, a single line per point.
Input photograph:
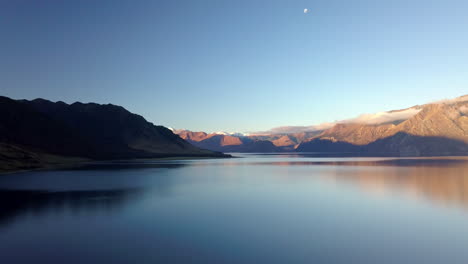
x=103 y=186
x=125 y=165
x=440 y=181
x=19 y=202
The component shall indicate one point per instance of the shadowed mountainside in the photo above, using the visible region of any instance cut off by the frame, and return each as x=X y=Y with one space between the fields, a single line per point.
x=31 y=132
x=398 y=145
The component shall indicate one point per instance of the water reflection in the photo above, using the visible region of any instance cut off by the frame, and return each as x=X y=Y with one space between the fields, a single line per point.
x=16 y=203
x=90 y=188
x=416 y=162
x=126 y=165
x=252 y=210
x=441 y=180
x=438 y=181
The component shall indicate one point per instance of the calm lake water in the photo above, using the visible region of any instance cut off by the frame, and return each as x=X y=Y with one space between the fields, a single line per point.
x=255 y=209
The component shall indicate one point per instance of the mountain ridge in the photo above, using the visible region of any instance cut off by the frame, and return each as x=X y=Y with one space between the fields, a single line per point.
x=444 y=122
x=39 y=129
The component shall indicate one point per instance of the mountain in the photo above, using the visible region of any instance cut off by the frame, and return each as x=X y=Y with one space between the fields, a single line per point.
x=39 y=129
x=439 y=128
x=191 y=136
x=224 y=142
x=238 y=142
x=285 y=141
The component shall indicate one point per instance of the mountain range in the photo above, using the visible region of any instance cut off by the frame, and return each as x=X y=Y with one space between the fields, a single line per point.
x=37 y=133
x=433 y=129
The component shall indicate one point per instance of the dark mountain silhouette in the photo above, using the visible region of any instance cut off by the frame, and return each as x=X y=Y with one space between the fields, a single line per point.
x=34 y=132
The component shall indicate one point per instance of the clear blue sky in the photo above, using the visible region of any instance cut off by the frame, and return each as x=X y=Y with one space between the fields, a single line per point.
x=241 y=65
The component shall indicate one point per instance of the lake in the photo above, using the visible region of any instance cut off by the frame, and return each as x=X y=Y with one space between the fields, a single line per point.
x=255 y=209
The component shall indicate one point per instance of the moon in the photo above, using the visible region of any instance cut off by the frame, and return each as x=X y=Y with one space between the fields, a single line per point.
x=306 y=10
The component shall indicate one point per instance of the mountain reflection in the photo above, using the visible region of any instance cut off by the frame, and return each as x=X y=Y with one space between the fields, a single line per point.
x=94 y=187
x=439 y=181
x=414 y=162
x=127 y=165
x=20 y=202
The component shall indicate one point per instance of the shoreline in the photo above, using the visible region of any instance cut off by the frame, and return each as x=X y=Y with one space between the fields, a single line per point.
x=78 y=162
x=71 y=163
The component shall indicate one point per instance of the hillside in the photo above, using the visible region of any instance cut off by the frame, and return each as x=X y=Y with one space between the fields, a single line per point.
x=227 y=143
x=39 y=129
x=439 y=128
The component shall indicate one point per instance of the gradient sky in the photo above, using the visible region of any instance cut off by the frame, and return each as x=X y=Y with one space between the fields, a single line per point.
x=241 y=65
